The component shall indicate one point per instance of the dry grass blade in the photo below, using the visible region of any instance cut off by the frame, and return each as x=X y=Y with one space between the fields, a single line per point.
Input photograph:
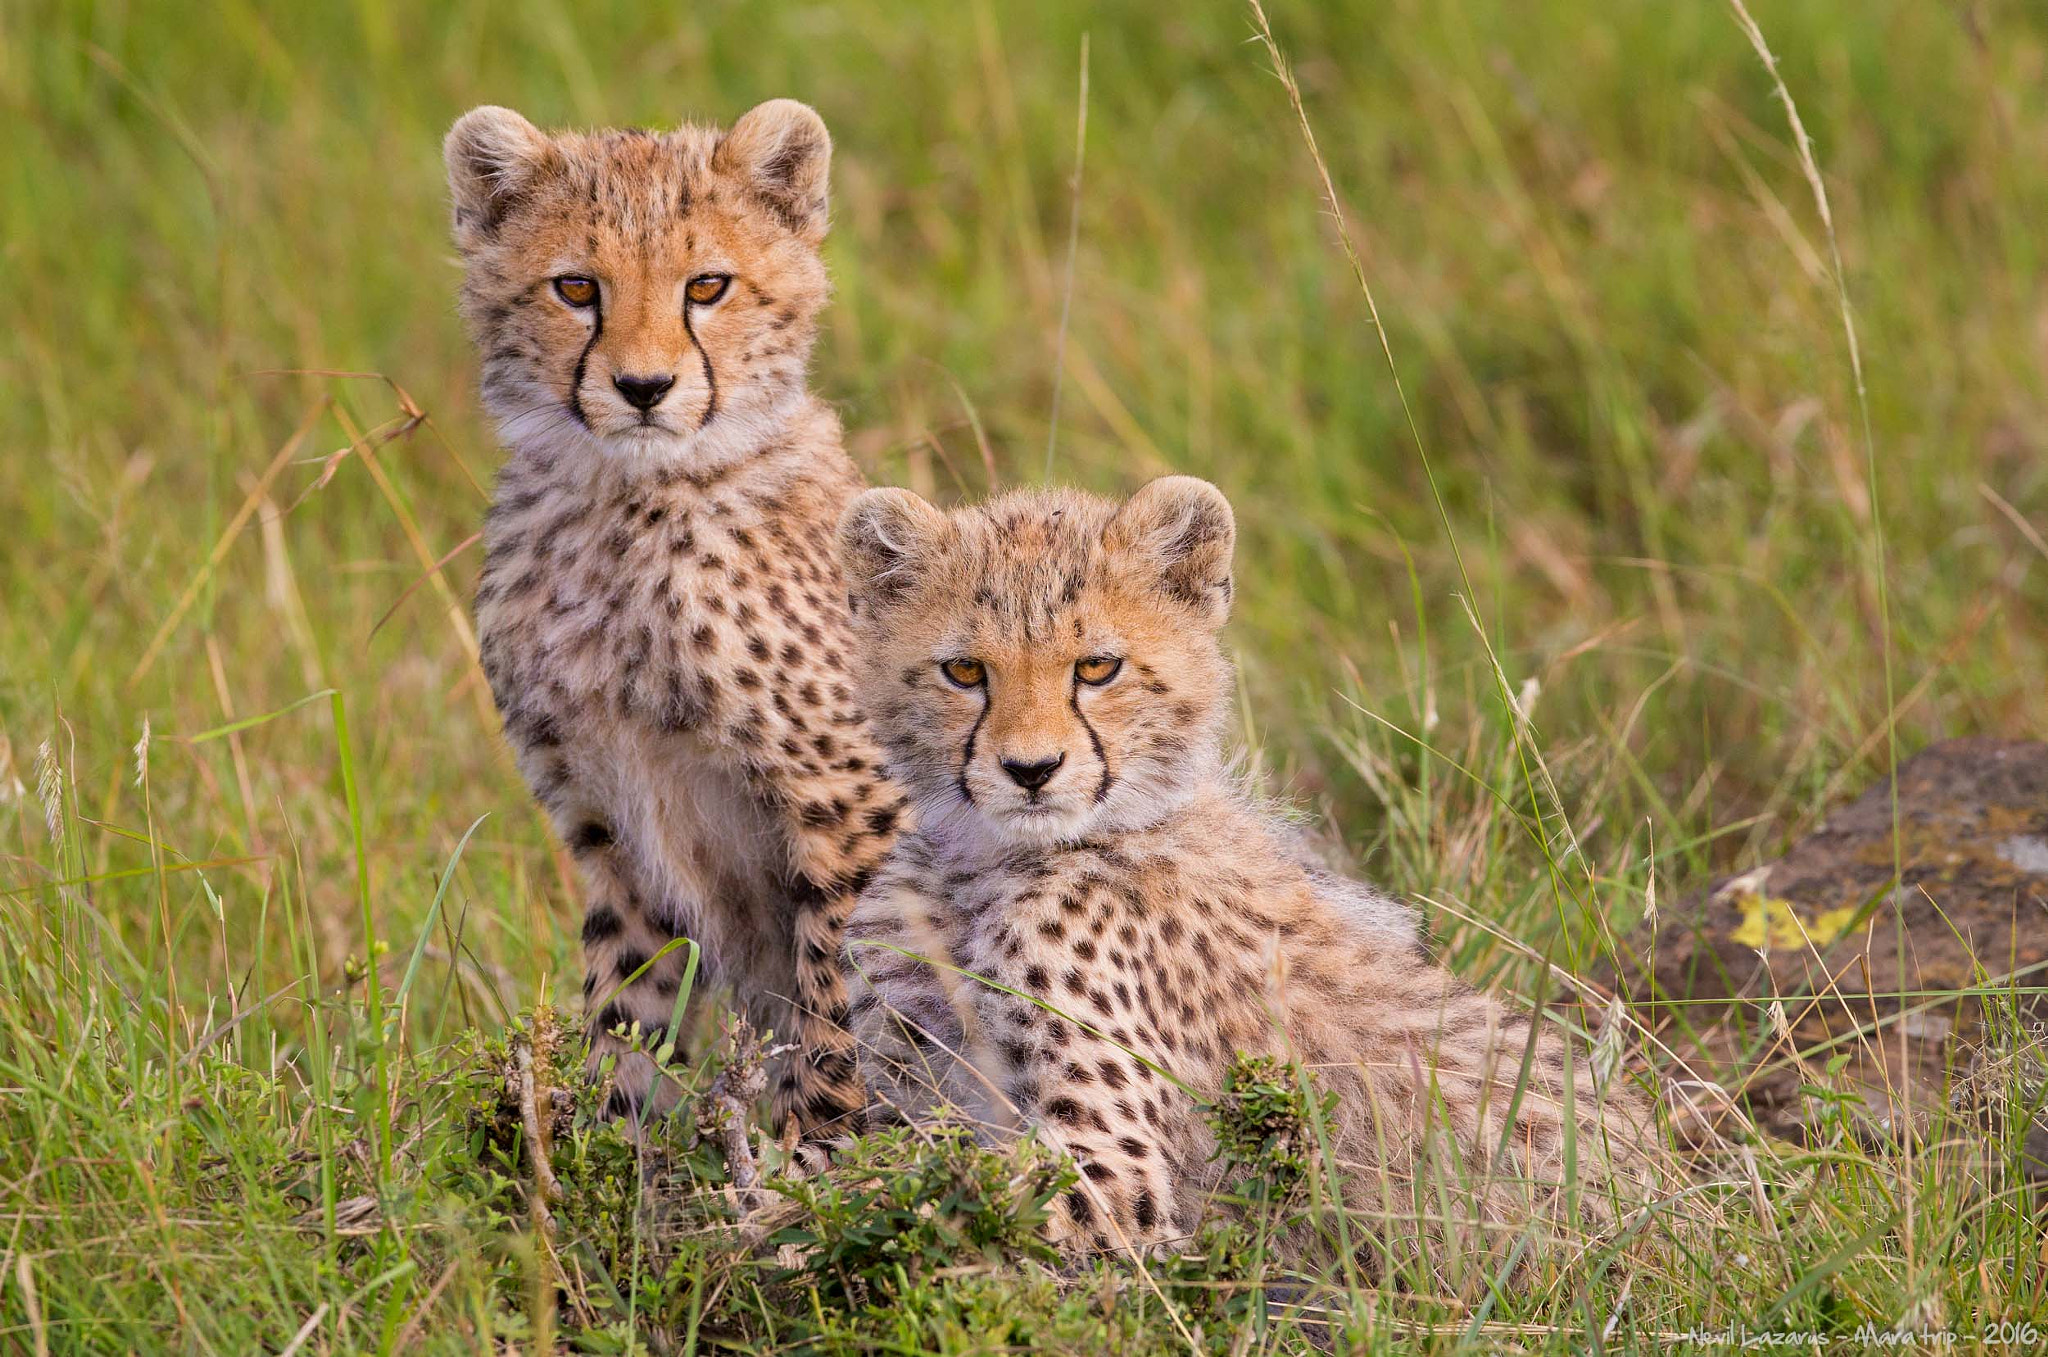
x=429 y=573
x=255 y=497
x=305 y=1331
x=2014 y=517
x=1335 y=207
x=31 y=1304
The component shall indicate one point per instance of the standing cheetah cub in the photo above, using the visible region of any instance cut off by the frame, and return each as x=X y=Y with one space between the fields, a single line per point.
x=1045 y=673
x=661 y=610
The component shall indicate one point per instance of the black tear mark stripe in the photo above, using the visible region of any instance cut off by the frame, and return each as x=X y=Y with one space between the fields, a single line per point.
x=583 y=360
x=967 y=755
x=710 y=377
x=1101 y=755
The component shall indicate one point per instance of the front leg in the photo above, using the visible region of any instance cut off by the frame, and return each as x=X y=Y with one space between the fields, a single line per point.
x=807 y=749
x=765 y=676
x=819 y=1091
x=620 y=931
x=621 y=990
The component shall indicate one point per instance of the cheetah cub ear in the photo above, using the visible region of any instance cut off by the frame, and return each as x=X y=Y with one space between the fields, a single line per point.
x=1174 y=537
x=886 y=538
x=781 y=151
x=494 y=158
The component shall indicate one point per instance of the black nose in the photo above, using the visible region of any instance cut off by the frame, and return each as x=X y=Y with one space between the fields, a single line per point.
x=643 y=393
x=1032 y=776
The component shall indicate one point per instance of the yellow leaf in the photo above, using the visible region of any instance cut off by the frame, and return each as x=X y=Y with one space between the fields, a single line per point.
x=1769 y=922
x=1831 y=924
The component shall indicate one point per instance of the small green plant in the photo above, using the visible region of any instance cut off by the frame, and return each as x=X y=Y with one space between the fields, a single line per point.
x=1216 y=1283
x=1265 y=1119
x=910 y=1203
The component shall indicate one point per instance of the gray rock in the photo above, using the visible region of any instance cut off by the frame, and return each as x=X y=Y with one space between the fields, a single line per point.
x=1865 y=940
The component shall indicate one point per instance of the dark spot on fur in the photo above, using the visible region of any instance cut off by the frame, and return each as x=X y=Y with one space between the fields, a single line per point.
x=590 y=836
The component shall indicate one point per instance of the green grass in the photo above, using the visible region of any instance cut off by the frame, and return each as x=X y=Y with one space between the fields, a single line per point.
x=1609 y=298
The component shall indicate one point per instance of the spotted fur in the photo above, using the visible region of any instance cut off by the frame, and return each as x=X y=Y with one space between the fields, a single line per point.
x=1135 y=915
x=661 y=612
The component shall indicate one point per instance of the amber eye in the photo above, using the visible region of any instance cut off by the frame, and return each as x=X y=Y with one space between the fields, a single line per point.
x=707 y=288
x=576 y=290
x=966 y=673
x=1097 y=669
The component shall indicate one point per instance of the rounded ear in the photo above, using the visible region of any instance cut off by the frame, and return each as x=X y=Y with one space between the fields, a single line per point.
x=885 y=537
x=781 y=151
x=1177 y=534
x=494 y=157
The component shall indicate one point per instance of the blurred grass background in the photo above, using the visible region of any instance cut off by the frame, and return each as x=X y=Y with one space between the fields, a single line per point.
x=1602 y=279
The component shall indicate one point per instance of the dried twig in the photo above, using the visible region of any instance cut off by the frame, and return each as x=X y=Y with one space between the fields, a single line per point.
x=547 y=1188
x=723 y=1110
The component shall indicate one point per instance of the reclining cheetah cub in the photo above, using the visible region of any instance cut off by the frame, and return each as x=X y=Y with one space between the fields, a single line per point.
x=1045 y=673
x=661 y=610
